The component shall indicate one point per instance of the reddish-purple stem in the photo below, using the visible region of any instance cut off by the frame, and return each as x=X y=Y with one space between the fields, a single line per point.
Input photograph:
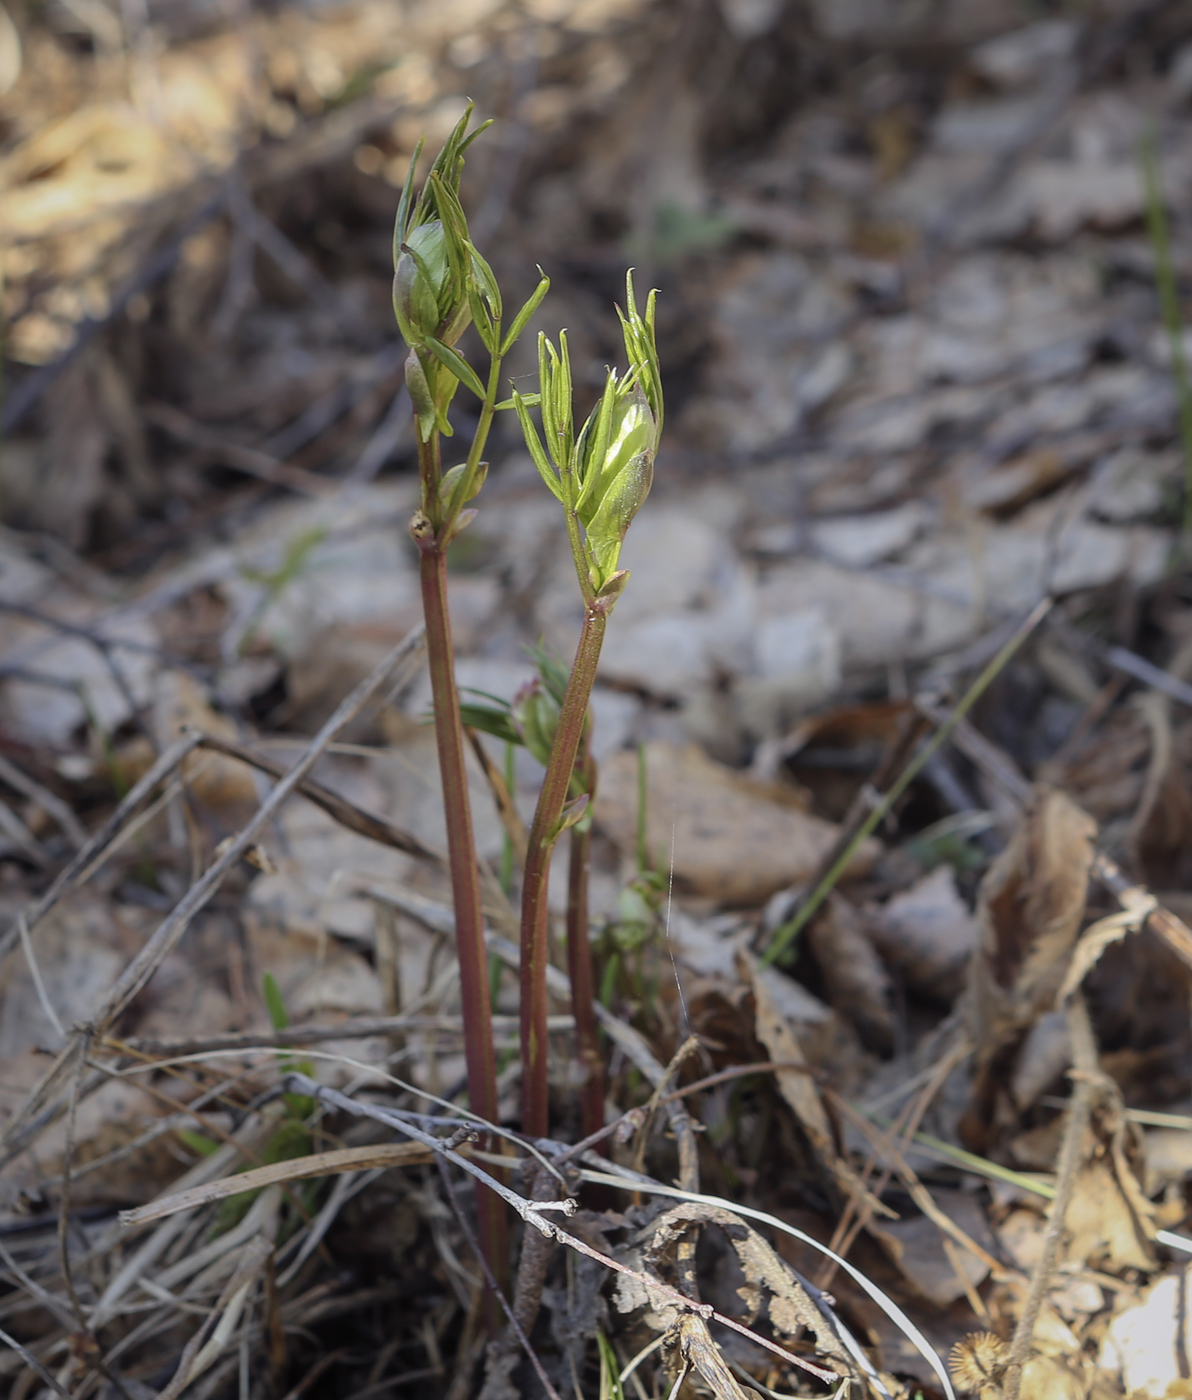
x=544 y=832
x=461 y=853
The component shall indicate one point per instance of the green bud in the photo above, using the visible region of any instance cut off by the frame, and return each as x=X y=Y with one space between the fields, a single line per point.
x=573 y=814
x=616 y=485
x=603 y=475
x=427 y=300
x=453 y=482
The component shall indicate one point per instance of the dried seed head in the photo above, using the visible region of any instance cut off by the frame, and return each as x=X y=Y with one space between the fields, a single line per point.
x=979 y=1361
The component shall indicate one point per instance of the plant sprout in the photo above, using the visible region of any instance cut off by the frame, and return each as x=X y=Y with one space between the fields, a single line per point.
x=600 y=476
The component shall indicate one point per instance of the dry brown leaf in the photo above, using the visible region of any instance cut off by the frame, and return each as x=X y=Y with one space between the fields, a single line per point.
x=928 y=933
x=1052 y=1378
x=1110 y=1222
x=1029 y=912
x=791 y=1307
x=1146 y=1346
x=800 y=1092
x=1033 y=899
x=696 y=1351
x=855 y=977
x=222 y=784
x=915 y=1246
x=731 y=841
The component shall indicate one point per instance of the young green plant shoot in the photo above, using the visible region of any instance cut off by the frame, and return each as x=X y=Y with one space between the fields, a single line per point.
x=600 y=477
x=441 y=285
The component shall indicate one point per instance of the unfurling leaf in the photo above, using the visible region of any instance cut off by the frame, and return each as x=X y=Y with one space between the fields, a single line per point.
x=604 y=474
x=458 y=525
x=574 y=812
x=455 y=490
x=455 y=364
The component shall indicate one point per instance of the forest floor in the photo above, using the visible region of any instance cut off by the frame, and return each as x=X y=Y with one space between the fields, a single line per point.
x=921 y=511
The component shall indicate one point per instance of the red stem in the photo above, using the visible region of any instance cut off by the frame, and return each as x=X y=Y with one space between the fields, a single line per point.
x=579 y=968
x=465 y=880
x=543 y=835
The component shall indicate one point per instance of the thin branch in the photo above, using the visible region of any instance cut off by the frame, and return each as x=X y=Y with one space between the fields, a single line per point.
x=34 y=1365
x=170 y=931
x=49 y=802
x=355 y=818
x=34 y=913
x=877 y=815
x=250 y=460
x=494 y=1288
x=1089 y=1088
x=355 y=1028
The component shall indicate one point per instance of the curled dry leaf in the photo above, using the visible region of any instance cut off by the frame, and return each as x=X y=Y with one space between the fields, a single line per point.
x=689 y=1347
x=1111 y=1223
x=928 y=933
x=791 y=1304
x=855 y=977
x=731 y=840
x=799 y=1089
x=1029 y=911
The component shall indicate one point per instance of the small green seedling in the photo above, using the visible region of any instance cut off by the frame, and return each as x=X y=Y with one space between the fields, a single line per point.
x=600 y=476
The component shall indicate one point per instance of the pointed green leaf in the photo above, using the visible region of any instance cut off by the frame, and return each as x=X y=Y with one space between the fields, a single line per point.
x=522 y=319
x=594 y=441
x=456 y=225
x=275 y=1004
x=485 y=327
x=455 y=364
x=421 y=396
x=563 y=410
x=642 y=350
x=546 y=362
x=483 y=127
x=534 y=444
x=489 y=721
x=488 y=282
x=400 y=225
